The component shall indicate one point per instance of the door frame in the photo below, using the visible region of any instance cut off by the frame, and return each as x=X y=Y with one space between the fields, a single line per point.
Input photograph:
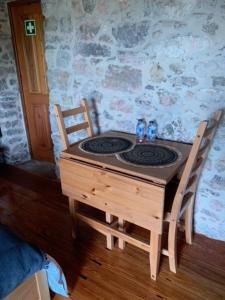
x=10 y=5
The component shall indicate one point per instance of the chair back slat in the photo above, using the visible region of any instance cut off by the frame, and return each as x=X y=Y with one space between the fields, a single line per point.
x=192 y=170
x=85 y=125
x=73 y=111
x=77 y=127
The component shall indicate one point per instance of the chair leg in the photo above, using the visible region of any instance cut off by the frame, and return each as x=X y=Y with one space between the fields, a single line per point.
x=172 y=246
x=188 y=220
x=155 y=252
x=109 y=237
x=73 y=204
x=121 y=243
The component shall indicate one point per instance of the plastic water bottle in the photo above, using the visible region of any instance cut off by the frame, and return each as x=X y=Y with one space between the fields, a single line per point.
x=152 y=130
x=140 y=130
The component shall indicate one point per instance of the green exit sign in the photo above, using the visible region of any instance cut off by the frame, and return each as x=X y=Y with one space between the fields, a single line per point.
x=30 y=27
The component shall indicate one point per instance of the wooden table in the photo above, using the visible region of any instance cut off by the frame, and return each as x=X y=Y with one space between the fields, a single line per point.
x=131 y=193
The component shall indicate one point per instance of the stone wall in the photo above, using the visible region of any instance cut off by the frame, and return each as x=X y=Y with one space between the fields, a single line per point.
x=14 y=138
x=162 y=60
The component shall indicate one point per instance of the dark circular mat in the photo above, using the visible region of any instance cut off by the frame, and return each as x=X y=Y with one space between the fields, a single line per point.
x=150 y=155
x=106 y=145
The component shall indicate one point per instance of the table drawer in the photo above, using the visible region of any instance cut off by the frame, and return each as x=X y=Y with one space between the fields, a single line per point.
x=132 y=199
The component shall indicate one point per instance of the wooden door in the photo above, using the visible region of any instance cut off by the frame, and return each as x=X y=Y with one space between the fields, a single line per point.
x=27 y=29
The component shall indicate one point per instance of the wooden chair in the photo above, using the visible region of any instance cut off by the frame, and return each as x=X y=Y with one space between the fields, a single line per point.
x=64 y=132
x=61 y=115
x=183 y=202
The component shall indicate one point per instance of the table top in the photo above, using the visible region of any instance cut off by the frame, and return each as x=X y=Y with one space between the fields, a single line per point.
x=158 y=175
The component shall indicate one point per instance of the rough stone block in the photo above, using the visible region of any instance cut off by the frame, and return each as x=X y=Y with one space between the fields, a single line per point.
x=167 y=98
x=81 y=66
x=3 y=85
x=89 y=6
x=184 y=81
x=218 y=182
x=123 y=78
x=14 y=131
x=130 y=35
x=105 y=38
x=168 y=8
x=218 y=81
x=63 y=59
x=135 y=58
x=210 y=28
x=59 y=80
x=66 y=24
x=177 y=68
x=93 y=49
x=121 y=106
x=144 y=102
x=88 y=31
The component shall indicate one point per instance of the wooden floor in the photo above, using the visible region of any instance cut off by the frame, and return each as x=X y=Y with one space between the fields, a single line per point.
x=35 y=209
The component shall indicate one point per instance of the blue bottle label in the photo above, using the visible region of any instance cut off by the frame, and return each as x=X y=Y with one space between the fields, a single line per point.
x=151 y=134
x=140 y=130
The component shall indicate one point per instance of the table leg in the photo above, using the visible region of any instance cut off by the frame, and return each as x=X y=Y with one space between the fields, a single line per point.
x=109 y=237
x=73 y=204
x=155 y=251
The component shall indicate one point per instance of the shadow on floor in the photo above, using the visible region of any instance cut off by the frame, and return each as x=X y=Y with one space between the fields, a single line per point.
x=41 y=168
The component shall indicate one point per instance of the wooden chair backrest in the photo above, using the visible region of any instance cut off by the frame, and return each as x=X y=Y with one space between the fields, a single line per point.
x=61 y=115
x=189 y=180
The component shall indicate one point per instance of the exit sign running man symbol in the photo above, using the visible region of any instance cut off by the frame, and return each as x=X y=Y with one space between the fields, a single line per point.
x=30 y=27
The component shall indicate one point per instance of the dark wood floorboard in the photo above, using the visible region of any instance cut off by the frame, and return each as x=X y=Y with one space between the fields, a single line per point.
x=35 y=209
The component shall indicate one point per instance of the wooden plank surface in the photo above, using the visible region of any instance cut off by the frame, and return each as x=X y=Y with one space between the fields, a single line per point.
x=133 y=200
x=35 y=209
x=35 y=288
x=155 y=174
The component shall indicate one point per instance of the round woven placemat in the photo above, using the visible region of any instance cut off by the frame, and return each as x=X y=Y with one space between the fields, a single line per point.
x=106 y=145
x=150 y=155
